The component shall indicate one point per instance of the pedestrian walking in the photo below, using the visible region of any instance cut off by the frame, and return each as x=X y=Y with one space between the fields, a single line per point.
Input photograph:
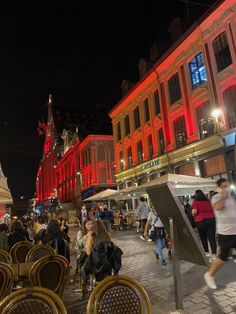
x=142 y=213
x=224 y=206
x=205 y=221
x=159 y=235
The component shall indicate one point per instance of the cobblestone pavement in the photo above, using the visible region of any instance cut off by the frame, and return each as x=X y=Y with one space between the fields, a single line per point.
x=139 y=262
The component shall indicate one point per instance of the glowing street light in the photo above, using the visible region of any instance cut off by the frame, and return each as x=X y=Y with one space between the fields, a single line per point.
x=216 y=113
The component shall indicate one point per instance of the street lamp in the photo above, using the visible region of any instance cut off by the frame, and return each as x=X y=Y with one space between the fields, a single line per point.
x=216 y=113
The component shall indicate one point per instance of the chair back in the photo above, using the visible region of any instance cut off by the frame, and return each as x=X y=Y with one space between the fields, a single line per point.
x=6 y=280
x=39 y=251
x=34 y=300
x=117 y=220
x=5 y=257
x=119 y=294
x=20 y=250
x=50 y=272
x=129 y=220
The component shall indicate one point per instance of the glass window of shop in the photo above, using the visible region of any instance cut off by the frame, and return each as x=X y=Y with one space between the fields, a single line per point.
x=146 y=108
x=140 y=151
x=129 y=157
x=150 y=146
x=214 y=166
x=118 y=132
x=157 y=103
x=197 y=70
x=222 y=51
x=174 y=88
x=205 y=120
x=127 y=125
x=229 y=96
x=136 y=118
x=180 y=132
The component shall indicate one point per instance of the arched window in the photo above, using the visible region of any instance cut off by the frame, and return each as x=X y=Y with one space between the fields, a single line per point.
x=229 y=96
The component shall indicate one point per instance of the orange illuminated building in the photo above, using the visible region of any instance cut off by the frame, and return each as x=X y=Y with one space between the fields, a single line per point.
x=181 y=116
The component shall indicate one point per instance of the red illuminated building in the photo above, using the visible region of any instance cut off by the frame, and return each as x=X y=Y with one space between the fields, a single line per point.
x=181 y=116
x=73 y=167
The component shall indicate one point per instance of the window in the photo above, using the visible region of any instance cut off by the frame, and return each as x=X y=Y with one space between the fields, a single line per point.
x=146 y=107
x=205 y=121
x=222 y=52
x=136 y=118
x=174 y=88
x=127 y=125
x=161 y=142
x=229 y=96
x=118 y=132
x=197 y=70
x=180 y=132
x=150 y=146
x=140 y=151
x=121 y=161
x=129 y=157
x=157 y=103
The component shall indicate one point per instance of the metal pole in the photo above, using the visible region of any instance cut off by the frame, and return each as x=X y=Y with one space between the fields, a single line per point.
x=176 y=266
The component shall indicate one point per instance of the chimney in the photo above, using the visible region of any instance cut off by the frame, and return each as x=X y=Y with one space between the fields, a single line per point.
x=175 y=29
x=144 y=66
x=155 y=51
x=126 y=86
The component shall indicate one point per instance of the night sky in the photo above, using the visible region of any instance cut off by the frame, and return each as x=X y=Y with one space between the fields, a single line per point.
x=79 y=55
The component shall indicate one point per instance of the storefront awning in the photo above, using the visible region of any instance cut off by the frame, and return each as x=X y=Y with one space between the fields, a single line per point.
x=183 y=185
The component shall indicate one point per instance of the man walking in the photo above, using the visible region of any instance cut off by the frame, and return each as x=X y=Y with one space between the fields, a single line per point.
x=225 y=212
x=142 y=212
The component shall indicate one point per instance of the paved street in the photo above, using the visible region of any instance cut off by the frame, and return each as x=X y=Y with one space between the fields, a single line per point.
x=139 y=262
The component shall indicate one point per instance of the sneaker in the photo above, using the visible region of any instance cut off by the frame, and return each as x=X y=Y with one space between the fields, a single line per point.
x=163 y=263
x=213 y=257
x=207 y=254
x=142 y=238
x=157 y=256
x=149 y=240
x=210 y=281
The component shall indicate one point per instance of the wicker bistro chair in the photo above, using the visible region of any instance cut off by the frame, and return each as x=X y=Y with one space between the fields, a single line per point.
x=36 y=300
x=117 y=223
x=5 y=257
x=119 y=294
x=39 y=251
x=6 y=280
x=20 y=250
x=50 y=272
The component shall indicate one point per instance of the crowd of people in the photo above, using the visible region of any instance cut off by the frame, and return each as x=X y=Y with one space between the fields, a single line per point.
x=212 y=216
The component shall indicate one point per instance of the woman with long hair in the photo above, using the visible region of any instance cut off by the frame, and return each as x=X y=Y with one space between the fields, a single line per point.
x=18 y=234
x=205 y=221
x=81 y=238
x=99 y=233
x=56 y=239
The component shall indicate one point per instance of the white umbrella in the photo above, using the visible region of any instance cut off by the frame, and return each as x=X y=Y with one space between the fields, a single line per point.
x=101 y=195
x=5 y=194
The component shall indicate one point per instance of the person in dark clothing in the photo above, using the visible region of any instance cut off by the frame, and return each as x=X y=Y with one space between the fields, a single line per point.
x=106 y=217
x=104 y=258
x=3 y=237
x=18 y=234
x=188 y=212
x=56 y=239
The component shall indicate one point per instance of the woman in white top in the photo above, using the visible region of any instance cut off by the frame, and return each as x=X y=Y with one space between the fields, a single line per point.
x=160 y=236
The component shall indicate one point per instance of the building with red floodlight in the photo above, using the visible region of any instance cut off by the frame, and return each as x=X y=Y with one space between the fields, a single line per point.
x=181 y=116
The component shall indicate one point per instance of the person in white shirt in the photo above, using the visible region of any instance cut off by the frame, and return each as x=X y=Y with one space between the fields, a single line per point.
x=160 y=236
x=225 y=212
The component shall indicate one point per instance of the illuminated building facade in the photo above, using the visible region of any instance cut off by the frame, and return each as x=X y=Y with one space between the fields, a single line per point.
x=73 y=167
x=181 y=116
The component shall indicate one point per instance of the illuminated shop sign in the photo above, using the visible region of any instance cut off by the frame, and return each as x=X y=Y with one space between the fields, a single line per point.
x=151 y=164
